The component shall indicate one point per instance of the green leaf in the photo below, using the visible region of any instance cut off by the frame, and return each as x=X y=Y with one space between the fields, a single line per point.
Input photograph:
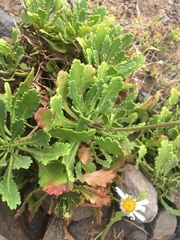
x=72 y=135
x=62 y=84
x=48 y=154
x=142 y=195
x=3 y=157
x=44 y=117
x=17 y=129
x=9 y=191
x=8 y=97
x=56 y=109
x=165 y=153
x=109 y=145
x=23 y=87
x=174 y=212
x=21 y=161
x=53 y=173
x=5 y=48
x=3 y=114
x=93 y=96
x=39 y=138
x=110 y=93
x=77 y=74
x=141 y=153
x=26 y=106
x=173 y=97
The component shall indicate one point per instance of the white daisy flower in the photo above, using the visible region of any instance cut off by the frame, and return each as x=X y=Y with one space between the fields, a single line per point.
x=130 y=206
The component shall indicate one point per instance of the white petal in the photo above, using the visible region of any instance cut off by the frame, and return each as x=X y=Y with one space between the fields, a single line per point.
x=141 y=208
x=143 y=202
x=138 y=215
x=120 y=192
x=131 y=215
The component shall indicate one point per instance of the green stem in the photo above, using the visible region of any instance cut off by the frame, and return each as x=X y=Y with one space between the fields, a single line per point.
x=117 y=217
x=139 y=128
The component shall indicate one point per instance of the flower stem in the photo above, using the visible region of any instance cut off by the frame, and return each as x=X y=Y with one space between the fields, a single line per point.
x=117 y=217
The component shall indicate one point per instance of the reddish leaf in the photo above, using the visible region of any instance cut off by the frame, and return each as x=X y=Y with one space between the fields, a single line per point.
x=98 y=178
x=51 y=189
x=43 y=117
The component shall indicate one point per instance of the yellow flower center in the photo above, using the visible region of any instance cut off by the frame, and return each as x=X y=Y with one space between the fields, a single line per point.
x=128 y=205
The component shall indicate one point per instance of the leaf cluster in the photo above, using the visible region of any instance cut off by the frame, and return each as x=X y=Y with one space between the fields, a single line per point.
x=93 y=122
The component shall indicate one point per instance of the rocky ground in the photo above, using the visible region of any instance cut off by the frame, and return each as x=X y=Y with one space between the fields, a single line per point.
x=159 y=225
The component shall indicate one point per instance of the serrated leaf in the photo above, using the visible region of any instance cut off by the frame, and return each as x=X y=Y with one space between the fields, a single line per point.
x=171 y=164
x=72 y=135
x=93 y=96
x=164 y=155
x=9 y=191
x=174 y=212
x=58 y=115
x=104 y=162
x=141 y=153
x=50 y=153
x=110 y=92
x=21 y=161
x=126 y=40
x=173 y=97
x=26 y=106
x=3 y=114
x=62 y=84
x=17 y=129
x=23 y=87
x=8 y=97
x=39 y=138
x=77 y=74
x=142 y=195
x=78 y=170
x=52 y=173
x=3 y=157
x=102 y=71
x=5 y=48
x=109 y=145
x=44 y=117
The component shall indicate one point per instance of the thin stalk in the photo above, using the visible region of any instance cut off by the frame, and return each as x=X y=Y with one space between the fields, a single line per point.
x=140 y=128
x=117 y=217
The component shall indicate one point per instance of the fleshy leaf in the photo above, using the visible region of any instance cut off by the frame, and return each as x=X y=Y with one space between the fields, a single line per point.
x=109 y=145
x=43 y=117
x=164 y=155
x=98 y=178
x=53 y=152
x=53 y=178
x=71 y=135
x=26 y=106
x=39 y=138
x=2 y=115
x=21 y=161
x=17 y=129
x=9 y=191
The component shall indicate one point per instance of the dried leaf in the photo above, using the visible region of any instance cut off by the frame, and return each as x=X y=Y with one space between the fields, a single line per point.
x=84 y=154
x=98 y=178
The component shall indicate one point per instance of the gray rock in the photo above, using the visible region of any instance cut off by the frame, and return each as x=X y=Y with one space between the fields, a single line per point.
x=164 y=224
x=81 y=229
x=6 y=25
x=136 y=235
x=2 y=238
x=134 y=182
x=9 y=227
x=56 y=231
x=80 y=213
x=176 y=197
